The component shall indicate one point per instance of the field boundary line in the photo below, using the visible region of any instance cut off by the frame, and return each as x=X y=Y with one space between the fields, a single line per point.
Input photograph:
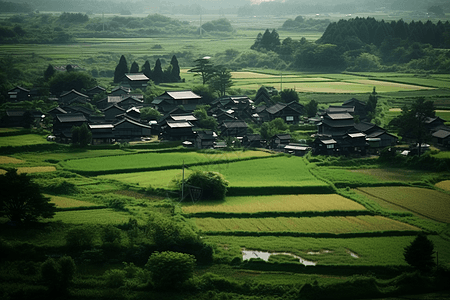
x=404 y=207
x=268 y=214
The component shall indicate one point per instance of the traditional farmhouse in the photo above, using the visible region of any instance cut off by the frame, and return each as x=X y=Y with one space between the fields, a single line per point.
x=177 y=130
x=128 y=129
x=235 y=128
x=62 y=125
x=18 y=94
x=135 y=81
x=73 y=96
x=170 y=100
x=102 y=133
x=205 y=140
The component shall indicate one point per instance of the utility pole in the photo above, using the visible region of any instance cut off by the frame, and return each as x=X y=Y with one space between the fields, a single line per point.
x=182 y=184
x=281 y=81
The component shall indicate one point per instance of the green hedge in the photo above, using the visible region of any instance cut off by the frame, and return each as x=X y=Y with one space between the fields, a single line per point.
x=273 y=214
x=278 y=190
x=32 y=148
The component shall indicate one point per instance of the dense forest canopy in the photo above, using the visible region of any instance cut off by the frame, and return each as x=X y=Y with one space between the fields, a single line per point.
x=366 y=44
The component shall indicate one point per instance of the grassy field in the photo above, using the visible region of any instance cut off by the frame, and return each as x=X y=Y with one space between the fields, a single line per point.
x=281 y=203
x=423 y=202
x=22 y=140
x=155 y=160
x=64 y=202
x=95 y=216
x=278 y=171
x=382 y=251
x=10 y=160
x=335 y=225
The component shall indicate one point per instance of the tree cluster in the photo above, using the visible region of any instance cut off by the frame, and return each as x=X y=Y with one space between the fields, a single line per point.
x=21 y=200
x=365 y=44
x=354 y=33
x=157 y=75
x=218 y=77
x=217 y=25
x=300 y=23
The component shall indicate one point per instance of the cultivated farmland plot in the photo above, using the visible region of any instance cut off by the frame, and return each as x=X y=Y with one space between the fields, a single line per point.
x=334 y=225
x=381 y=251
x=155 y=160
x=427 y=203
x=273 y=203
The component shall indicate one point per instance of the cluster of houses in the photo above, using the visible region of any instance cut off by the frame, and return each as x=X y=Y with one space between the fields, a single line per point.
x=120 y=120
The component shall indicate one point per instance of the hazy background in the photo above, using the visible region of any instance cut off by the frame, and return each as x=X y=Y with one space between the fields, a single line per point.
x=242 y=7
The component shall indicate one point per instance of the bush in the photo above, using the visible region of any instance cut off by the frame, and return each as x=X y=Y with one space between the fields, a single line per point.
x=58 y=274
x=213 y=185
x=170 y=268
x=115 y=278
x=80 y=238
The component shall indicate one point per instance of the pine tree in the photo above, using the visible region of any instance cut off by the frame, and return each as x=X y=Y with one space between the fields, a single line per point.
x=419 y=254
x=134 y=67
x=175 y=72
x=146 y=69
x=158 y=72
x=121 y=69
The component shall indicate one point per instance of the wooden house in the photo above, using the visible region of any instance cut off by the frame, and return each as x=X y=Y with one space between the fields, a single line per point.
x=441 y=138
x=296 y=149
x=279 y=141
x=73 y=96
x=335 y=124
x=18 y=94
x=205 y=139
x=94 y=91
x=62 y=125
x=360 y=107
x=128 y=129
x=283 y=111
x=135 y=81
x=120 y=91
x=102 y=133
x=170 y=100
x=263 y=96
x=177 y=130
x=129 y=102
x=325 y=146
x=252 y=141
x=235 y=128
x=112 y=111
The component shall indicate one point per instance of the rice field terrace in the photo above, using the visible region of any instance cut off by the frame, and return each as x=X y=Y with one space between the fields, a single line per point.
x=314 y=225
x=22 y=140
x=427 y=203
x=276 y=203
x=153 y=161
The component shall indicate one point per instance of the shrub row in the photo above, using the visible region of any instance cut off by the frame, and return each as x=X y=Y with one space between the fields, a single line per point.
x=278 y=190
x=15 y=133
x=273 y=214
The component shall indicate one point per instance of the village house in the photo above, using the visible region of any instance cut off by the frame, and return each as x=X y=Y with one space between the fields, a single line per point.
x=235 y=128
x=135 y=81
x=173 y=99
x=62 y=125
x=128 y=130
x=70 y=97
x=18 y=94
x=279 y=141
x=205 y=139
x=102 y=133
x=177 y=130
x=441 y=138
x=94 y=91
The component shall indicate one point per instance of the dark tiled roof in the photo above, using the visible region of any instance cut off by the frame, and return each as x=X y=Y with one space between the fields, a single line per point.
x=68 y=118
x=234 y=124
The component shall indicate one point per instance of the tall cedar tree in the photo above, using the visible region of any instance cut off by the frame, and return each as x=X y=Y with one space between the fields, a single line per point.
x=175 y=73
x=21 y=199
x=49 y=72
x=121 y=69
x=134 y=67
x=147 y=70
x=419 y=254
x=158 y=73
